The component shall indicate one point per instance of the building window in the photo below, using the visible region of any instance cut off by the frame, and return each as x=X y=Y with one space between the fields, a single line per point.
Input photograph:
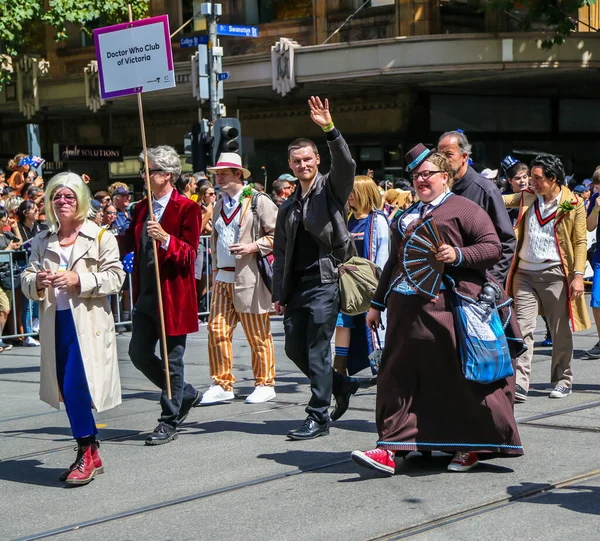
x=189 y=9
x=279 y=10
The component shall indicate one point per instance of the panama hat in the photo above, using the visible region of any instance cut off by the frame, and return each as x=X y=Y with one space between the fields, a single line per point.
x=229 y=160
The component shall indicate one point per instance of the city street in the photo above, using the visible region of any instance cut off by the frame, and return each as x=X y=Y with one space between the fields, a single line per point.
x=233 y=475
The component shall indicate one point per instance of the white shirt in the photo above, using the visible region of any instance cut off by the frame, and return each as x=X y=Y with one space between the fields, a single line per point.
x=62 y=297
x=539 y=250
x=230 y=203
x=228 y=234
x=409 y=217
x=158 y=208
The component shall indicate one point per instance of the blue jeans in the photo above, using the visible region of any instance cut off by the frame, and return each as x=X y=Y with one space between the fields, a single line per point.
x=29 y=312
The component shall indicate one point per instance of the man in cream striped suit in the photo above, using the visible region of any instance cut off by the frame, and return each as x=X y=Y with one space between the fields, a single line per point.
x=239 y=293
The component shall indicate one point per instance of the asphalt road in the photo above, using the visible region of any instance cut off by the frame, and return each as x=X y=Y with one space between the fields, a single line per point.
x=233 y=475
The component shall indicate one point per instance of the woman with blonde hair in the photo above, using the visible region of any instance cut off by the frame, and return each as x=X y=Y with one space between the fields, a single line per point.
x=72 y=270
x=396 y=200
x=369 y=228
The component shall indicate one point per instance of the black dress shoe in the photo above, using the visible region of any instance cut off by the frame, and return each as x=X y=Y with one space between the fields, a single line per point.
x=186 y=406
x=162 y=434
x=342 y=400
x=309 y=430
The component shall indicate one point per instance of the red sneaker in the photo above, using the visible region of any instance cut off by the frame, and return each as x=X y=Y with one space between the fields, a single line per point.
x=95 y=457
x=463 y=461
x=84 y=470
x=378 y=459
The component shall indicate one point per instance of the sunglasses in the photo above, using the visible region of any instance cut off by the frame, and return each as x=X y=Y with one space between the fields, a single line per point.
x=65 y=197
x=151 y=171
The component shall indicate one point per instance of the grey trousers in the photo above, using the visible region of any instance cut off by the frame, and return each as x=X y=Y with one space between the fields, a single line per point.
x=547 y=290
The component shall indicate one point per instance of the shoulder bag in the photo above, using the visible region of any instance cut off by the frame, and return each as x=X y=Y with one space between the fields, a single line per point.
x=264 y=263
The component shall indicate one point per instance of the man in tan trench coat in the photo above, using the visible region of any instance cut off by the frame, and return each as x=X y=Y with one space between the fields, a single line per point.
x=239 y=293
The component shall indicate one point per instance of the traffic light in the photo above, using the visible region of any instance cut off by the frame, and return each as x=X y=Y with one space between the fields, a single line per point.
x=227 y=137
x=201 y=149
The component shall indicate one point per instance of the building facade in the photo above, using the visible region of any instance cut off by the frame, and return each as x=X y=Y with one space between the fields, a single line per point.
x=396 y=73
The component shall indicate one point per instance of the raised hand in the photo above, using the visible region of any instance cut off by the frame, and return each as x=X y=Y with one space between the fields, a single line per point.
x=318 y=112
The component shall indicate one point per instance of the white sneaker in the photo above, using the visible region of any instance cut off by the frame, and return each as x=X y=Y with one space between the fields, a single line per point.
x=261 y=393
x=31 y=342
x=216 y=395
x=560 y=391
x=4 y=346
x=35 y=325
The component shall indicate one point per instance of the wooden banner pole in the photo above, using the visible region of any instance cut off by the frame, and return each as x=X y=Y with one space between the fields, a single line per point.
x=161 y=309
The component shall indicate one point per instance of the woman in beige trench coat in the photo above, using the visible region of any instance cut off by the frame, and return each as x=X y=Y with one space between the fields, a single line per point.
x=72 y=270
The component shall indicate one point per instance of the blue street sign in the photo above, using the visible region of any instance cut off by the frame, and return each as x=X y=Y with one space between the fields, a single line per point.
x=193 y=41
x=237 y=30
x=223 y=76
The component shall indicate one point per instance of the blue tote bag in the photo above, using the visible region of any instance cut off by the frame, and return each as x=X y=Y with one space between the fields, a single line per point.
x=481 y=341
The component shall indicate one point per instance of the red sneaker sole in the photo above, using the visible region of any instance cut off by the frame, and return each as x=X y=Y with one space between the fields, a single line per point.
x=366 y=462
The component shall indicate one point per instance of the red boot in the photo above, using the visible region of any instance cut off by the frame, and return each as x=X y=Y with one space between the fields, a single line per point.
x=84 y=470
x=95 y=457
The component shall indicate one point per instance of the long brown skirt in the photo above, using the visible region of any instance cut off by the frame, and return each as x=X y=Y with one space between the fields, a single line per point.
x=424 y=402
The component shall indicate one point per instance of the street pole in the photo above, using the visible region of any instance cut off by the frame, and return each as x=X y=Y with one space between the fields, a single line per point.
x=212 y=64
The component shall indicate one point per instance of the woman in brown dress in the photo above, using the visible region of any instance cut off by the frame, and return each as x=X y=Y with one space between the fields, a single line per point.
x=424 y=402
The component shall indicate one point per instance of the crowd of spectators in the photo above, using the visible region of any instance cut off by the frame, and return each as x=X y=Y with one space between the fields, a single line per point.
x=22 y=217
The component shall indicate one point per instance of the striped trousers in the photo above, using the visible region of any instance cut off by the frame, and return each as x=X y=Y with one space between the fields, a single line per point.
x=222 y=322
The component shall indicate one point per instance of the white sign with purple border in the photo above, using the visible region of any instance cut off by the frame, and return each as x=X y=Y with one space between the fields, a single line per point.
x=134 y=57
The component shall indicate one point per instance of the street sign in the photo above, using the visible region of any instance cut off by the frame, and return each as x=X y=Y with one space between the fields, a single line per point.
x=193 y=41
x=237 y=30
x=134 y=57
x=223 y=76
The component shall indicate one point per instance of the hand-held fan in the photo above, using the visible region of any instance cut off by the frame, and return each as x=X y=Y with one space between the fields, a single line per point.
x=423 y=271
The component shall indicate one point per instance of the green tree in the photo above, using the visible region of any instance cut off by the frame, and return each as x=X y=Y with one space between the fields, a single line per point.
x=23 y=22
x=559 y=16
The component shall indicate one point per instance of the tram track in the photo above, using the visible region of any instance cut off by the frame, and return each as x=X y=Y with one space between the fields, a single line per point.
x=476 y=511
x=277 y=406
x=281 y=404
x=404 y=533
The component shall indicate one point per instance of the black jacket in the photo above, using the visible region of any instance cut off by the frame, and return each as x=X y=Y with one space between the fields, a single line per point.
x=486 y=194
x=324 y=218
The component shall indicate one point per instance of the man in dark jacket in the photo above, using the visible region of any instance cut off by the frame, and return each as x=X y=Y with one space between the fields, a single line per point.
x=468 y=183
x=311 y=241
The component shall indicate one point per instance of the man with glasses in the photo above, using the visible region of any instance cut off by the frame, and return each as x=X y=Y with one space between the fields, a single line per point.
x=176 y=229
x=121 y=199
x=468 y=183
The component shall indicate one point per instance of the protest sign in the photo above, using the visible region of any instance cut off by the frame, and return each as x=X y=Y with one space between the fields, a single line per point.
x=134 y=57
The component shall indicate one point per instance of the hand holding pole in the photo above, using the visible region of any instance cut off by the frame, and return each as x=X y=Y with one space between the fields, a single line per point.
x=161 y=310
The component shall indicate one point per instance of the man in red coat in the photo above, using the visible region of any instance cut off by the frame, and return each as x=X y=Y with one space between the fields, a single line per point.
x=176 y=228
